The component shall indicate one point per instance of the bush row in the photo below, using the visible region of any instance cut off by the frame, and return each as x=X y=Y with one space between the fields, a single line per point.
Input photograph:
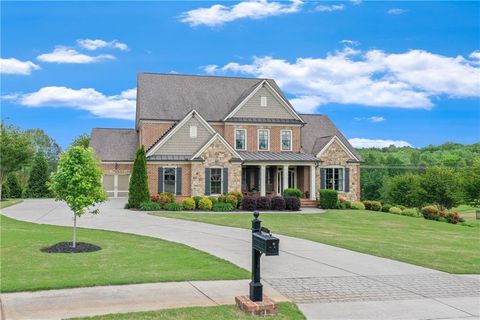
x=436 y=214
x=251 y=203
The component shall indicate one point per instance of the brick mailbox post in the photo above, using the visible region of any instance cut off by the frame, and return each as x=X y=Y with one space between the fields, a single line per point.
x=262 y=243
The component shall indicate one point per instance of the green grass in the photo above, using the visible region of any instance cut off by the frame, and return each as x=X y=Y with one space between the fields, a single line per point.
x=437 y=245
x=124 y=259
x=286 y=310
x=9 y=202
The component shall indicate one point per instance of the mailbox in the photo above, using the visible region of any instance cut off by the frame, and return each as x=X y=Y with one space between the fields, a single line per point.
x=266 y=243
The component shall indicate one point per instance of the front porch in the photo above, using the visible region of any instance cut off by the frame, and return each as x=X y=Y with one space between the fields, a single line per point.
x=271 y=179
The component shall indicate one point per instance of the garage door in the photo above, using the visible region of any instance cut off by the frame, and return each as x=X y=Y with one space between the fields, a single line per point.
x=116 y=185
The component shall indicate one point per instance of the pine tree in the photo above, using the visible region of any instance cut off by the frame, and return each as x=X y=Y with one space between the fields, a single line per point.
x=37 y=182
x=138 y=188
x=15 y=190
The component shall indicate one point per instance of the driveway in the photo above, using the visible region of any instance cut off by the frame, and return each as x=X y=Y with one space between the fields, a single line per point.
x=325 y=281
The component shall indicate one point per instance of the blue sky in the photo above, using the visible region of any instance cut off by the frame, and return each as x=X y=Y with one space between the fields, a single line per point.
x=402 y=71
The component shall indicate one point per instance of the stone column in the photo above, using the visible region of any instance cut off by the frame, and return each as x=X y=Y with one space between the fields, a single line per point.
x=313 y=183
x=285 y=176
x=262 y=180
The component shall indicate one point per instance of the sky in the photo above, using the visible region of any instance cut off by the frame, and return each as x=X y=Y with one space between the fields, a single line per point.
x=402 y=73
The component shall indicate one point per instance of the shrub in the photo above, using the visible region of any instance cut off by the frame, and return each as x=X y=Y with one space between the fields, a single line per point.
x=37 y=182
x=213 y=199
x=277 y=203
x=292 y=203
x=328 y=199
x=341 y=205
x=232 y=200
x=238 y=195
x=221 y=198
x=400 y=206
x=395 y=210
x=150 y=206
x=405 y=189
x=188 y=204
x=411 y=212
x=347 y=204
x=292 y=192
x=165 y=198
x=430 y=213
x=138 y=186
x=154 y=197
x=357 y=205
x=386 y=207
x=249 y=203
x=263 y=203
x=15 y=190
x=372 y=205
x=173 y=206
x=453 y=217
x=222 y=206
x=205 y=204
x=197 y=199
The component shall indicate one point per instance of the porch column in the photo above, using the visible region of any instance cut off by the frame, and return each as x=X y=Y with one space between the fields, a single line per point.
x=262 y=180
x=313 y=184
x=285 y=176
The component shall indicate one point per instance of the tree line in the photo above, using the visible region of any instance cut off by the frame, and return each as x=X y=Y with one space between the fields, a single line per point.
x=446 y=175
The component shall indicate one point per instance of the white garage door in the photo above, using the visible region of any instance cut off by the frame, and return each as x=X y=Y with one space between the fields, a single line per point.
x=116 y=185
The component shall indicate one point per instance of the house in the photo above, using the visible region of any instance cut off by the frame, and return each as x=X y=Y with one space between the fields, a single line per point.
x=207 y=135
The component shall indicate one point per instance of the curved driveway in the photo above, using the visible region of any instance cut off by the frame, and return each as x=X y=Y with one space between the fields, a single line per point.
x=327 y=282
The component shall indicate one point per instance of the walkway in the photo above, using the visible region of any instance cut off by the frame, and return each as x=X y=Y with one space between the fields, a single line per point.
x=327 y=282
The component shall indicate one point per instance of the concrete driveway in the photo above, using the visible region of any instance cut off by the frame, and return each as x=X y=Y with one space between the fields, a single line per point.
x=326 y=282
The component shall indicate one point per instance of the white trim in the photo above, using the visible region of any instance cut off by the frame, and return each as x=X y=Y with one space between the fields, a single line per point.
x=291 y=139
x=235 y=142
x=258 y=140
x=175 y=172
x=344 y=147
x=209 y=142
x=177 y=127
x=274 y=92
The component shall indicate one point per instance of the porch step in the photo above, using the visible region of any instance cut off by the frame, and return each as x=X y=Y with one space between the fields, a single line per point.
x=307 y=203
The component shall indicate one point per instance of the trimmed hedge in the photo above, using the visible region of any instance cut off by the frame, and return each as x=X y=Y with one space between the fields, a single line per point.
x=249 y=203
x=395 y=210
x=357 y=205
x=386 y=207
x=430 y=213
x=292 y=192
x=205 y=204
x=328 y=199
x=188 y=204
x=372 y=205
x=292 y=203
x=277 y=203
x=410 y=212
x=222 y=207
x=263 y=203
x=150 y=206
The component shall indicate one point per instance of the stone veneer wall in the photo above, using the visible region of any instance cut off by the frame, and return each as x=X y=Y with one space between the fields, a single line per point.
x=336 y=156
x=216 y=155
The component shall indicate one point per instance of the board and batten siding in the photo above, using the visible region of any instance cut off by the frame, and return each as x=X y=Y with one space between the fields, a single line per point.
x=182 y=144
x=253 y=109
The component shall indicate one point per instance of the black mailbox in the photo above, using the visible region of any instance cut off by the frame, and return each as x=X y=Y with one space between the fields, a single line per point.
x=266 y=243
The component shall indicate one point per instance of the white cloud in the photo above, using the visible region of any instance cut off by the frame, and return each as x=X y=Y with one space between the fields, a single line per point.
x=376 y=119
x=120 y=106
x=15 y=66
x=210 y=69
x=396 y=11
x=90 y=44
x=377 y=143
x=475 y=55
x=356 y=2
x=350 y=43
x=65 y=55
x=333 y=7
x=373 y=78
x=218 y=14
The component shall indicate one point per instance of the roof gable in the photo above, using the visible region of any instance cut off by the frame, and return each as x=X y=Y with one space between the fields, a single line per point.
x=219 y=138
x=336 y=140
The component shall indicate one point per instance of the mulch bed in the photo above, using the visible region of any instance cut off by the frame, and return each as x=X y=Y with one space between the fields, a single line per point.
x=66 y=247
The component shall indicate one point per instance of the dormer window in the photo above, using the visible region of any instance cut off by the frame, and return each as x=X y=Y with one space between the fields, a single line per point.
x=263 y=101
x=193 y=131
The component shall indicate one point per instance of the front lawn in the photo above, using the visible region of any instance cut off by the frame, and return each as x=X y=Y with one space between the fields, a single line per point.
x=286 y=310
x=124 y=259
x=437 y=245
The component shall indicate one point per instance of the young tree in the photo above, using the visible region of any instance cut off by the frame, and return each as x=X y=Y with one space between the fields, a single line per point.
x=77 y=181
x=138 y=188
x=442 y=186
x=471 y=184
x=405 y=189
x=38 y=180
x=82 y=140
x=15 y=190
x=16 y=151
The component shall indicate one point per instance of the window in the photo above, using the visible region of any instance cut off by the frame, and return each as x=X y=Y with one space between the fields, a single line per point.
x=193 y=131
x=334 y=178
x=169 y=180
x=263 y=101
x=241 y=139
x=286 y=140
x=215 y=180
x=263 y=139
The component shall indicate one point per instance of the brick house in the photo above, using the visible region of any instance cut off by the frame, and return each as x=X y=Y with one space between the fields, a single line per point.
x=209 y=135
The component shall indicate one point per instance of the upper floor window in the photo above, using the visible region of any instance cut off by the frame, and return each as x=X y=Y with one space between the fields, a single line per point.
x=241 y=139
x=286 y=140
x=193 y=131
x=263 y=139
x=263 y=101
x=334 y=178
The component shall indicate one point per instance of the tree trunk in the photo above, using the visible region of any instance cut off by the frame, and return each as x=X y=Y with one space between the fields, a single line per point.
x=74 y=244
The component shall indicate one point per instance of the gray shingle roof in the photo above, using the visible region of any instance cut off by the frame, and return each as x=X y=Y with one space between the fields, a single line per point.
x=169 y=157
x=171 y=96
x=318 y=131
x=276 y=156
x=114 y=144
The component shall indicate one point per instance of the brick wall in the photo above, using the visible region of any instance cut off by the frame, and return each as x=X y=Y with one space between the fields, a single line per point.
x=149 y=132
x=152 y=172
